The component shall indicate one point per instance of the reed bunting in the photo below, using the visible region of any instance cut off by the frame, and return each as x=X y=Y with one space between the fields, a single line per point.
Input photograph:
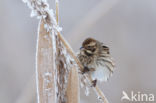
x=96 y=59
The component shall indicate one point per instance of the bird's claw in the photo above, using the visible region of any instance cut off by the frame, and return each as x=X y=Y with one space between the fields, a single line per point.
x=94 y=83
x=86 y=69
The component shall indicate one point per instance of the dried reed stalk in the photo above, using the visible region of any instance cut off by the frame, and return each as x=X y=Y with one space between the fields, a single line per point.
x=73 y=86
x=67 y=75
x=53 y=70
x=45 y=70
x=53 y=65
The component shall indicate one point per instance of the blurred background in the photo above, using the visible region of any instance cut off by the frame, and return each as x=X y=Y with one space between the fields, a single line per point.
x=128 y=27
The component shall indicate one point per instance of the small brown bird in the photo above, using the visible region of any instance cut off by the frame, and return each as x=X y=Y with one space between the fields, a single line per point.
x=96 y=59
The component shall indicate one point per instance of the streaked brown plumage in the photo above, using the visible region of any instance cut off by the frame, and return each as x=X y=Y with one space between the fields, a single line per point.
x=96 y=59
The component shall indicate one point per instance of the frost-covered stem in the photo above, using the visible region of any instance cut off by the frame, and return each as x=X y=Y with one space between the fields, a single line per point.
x=45 y=66
x=99 y=93
x=41 y=10
x=69 y=49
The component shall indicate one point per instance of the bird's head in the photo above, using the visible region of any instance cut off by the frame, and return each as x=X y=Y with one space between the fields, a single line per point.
x=89 y=46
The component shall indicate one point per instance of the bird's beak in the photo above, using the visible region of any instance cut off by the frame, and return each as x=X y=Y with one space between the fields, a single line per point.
x=81 y=48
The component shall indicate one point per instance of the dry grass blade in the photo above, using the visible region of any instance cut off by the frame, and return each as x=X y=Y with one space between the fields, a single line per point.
x=73 y=87
x=45 y=67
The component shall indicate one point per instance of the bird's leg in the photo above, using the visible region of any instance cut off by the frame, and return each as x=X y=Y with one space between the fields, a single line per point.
x=86 y=69
x=94 y=83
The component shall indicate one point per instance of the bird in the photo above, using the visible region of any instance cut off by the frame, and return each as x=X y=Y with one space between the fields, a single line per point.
x=96 y=60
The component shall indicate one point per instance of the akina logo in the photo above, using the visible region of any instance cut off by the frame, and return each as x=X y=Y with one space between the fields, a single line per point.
x=137 y=97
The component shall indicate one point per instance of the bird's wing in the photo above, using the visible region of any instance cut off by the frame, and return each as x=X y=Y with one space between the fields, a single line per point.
x=109 y=63
x=108 y=60
x=105 y=48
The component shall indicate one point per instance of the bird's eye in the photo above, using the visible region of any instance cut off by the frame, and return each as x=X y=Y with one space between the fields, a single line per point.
x=89 y=46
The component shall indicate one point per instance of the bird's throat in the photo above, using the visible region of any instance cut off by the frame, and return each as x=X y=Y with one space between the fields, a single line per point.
x=88 y=54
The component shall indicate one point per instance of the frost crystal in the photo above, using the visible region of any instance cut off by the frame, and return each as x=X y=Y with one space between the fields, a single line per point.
x=87 y=91
x=48 y=74
x=40 y=9
x=33 y=13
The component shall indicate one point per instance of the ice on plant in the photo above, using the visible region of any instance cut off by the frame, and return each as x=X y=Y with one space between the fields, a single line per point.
x=48 y=74
x=87 y=90
x=40 y=9
x=33 y=13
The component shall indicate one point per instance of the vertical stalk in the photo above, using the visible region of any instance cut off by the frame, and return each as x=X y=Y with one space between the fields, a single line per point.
x=45 y=71
x=57 y=11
